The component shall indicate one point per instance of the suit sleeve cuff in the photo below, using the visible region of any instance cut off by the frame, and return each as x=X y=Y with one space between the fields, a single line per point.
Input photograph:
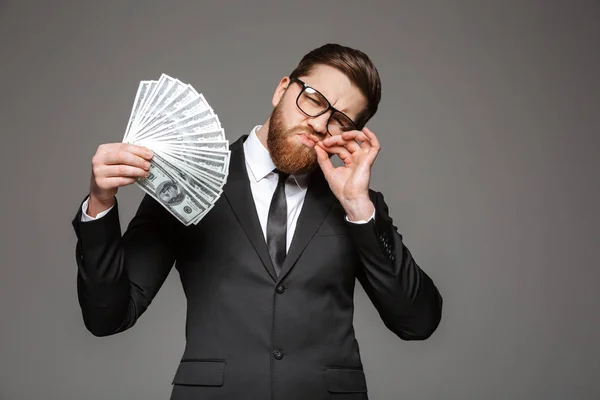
x=87 y=218
x=362 y=221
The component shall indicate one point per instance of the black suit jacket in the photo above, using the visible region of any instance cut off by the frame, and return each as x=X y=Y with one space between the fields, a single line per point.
x=249 y=334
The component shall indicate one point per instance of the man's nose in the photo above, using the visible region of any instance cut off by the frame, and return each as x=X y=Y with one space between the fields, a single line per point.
x=319 y=124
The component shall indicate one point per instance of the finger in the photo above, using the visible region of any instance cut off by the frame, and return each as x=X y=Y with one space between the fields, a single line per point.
x=121 y=170
x=372 y=138
x=360 y=136
x=139 y=151
x=341 y=151
x=339 y=140
x=354 y=135
x=375 y=147
x=118 y=181
x=122 y=156
x=323 y=160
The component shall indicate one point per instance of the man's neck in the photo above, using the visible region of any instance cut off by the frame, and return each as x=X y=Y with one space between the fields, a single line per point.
x=262 y=133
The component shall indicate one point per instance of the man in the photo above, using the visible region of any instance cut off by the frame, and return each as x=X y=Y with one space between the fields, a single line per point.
x=170 y=193
x=270 y=296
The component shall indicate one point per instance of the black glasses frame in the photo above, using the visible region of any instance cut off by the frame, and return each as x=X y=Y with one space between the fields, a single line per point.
x=329 y=106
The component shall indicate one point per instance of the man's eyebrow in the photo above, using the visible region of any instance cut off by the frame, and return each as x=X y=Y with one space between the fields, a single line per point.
x=342 y=110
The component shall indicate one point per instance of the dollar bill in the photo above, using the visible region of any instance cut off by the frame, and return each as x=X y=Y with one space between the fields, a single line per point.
x=144 y=107
x=169 y=192
x=189 y=133
x=186 y=96
x=197 y=187
x=191 y=153
x=218 y=146
x=208 y=156
x=140 y=98
x=155 y=112
x=196 y=108
x=164 y=86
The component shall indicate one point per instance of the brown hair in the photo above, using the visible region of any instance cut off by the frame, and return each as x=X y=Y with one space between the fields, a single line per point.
x=355 y=64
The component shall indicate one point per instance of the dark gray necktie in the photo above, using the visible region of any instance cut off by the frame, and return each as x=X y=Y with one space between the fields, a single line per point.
x=277 y=224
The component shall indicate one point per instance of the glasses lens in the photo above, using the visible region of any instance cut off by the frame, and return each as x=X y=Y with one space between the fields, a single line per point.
x=312 y=102
x=340 y=123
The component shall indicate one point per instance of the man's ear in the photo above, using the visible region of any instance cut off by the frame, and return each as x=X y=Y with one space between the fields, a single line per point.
x=280 y=90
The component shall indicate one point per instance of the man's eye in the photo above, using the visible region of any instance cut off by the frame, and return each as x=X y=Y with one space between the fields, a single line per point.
x=314 y=101
x=344 y=125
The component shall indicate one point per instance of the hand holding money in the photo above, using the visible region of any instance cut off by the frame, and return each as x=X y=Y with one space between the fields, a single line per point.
x=190 y=161
x=115 y=165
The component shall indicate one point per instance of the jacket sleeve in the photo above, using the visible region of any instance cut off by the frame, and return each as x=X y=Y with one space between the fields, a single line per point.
x=118 y=276
x=406 y=298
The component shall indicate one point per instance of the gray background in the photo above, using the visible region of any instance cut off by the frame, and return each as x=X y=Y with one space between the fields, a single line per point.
x=490 y=164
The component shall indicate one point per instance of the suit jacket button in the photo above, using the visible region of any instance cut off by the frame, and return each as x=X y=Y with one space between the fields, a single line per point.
x=277 y=354
x=280 y=289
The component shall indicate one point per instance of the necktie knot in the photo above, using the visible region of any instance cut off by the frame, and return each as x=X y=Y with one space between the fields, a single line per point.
x=282 y=175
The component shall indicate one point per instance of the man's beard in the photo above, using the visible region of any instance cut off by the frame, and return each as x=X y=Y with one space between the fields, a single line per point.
x=288 y=155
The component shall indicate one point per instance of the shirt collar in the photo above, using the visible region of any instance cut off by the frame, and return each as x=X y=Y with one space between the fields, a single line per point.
x=259 y=160
x=257 y=156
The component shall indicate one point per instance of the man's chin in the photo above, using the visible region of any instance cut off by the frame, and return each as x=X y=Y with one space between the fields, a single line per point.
x=298 y=159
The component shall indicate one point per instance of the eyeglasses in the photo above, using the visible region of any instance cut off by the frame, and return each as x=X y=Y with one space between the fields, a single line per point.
x=312 y=103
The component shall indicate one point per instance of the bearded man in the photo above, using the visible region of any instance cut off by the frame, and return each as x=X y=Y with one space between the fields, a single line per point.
x=270 y=297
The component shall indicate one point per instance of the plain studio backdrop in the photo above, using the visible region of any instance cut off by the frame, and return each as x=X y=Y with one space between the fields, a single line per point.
x=490 y=126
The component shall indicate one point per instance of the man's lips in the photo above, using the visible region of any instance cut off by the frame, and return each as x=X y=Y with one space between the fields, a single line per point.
x=308 y=139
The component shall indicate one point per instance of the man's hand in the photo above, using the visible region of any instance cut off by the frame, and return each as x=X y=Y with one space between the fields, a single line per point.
x=115 y=165
x=350 y=182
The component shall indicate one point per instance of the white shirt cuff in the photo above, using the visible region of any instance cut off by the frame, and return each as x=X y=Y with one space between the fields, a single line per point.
x=86 y=218
x=362 y=221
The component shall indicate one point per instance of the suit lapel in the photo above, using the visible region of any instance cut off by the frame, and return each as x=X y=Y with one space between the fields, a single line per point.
x=239 y=195
x=317 y=203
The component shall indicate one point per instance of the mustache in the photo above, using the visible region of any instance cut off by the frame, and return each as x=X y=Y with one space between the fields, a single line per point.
x=308 y=131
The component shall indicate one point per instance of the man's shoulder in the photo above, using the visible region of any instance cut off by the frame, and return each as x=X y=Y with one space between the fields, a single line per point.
x=238 y=143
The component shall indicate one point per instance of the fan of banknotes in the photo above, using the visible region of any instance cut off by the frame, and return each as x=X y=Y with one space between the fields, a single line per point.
x=191 y=155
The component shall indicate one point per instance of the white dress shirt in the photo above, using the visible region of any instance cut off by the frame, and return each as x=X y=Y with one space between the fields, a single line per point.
x=263 y=182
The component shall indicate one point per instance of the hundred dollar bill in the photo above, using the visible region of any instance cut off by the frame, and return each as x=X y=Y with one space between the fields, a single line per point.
x=222 y=157
x=143 y=105
x=208 y=194
x=197 y=108
x=203 y=148
x=187 y=95
x=199 y=217
x=200 y=163
x=200 y=189
x=203 y=136
x=190 y=178
x=170 y=193
x=174 y=88
x=203 y=121
x=165 y=84
x=196 y=132
x=140 y=97
x=208 y=182
x=203 y=176
x=171 y=125
x=218 y=146
x=191 y=154
x=157 y=91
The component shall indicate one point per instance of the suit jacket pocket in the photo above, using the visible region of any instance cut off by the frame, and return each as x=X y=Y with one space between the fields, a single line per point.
x=200 y=373
x=345 y=380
